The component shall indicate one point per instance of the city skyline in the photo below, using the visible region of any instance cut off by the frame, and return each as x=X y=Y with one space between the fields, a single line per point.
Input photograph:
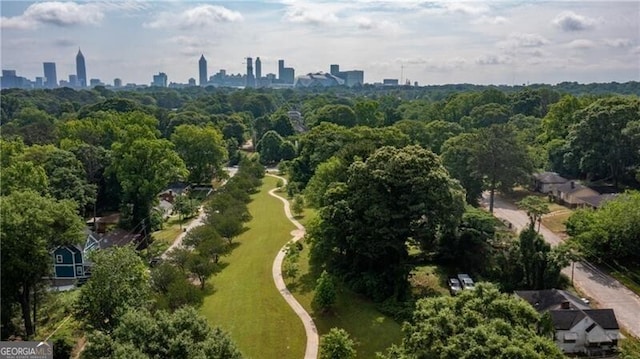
x=483 y=42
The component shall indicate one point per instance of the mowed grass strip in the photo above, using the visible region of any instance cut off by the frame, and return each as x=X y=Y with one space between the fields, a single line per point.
x=371 y=330
x=245 y=301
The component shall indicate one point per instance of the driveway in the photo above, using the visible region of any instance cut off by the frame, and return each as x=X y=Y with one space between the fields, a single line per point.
x=605 y=291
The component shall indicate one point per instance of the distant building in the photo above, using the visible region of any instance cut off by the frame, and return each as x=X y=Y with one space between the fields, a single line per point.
x=81 y=70
x=251 y=80
x=258 y=72
x=73 y=80
x=192 y=81
x=160 y=80
x=39 y=82
x=390 y=82
x=9 y=79
x=50 y=77
x=335 y=69
x=286 y=75
x=117 y=82
x=318 y=79
x=202 y=65
x=95 y=82
x=351 y=78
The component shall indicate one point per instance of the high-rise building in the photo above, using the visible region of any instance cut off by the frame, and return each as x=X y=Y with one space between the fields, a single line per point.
x=286 y=75
x=81 y=70
x=335 y=70
x=202 y=65
x=160 y=80
x=280 y=69
x=73 y=80
x=258 y=69
x=251 y=80
x=117 y=82
x=51 y=79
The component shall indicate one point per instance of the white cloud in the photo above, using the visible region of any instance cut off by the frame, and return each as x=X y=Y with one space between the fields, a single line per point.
x=56 y=13
x=197 y=17
x=519 y=40
x=366 y=23
x=465 y=8
x=308 y=14
x=493 y=60
x=570 y=21
x=581 y=44
x=618 y=43
x=490 y=20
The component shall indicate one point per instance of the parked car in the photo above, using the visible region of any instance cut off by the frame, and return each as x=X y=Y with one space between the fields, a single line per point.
x=454 y=286
x=466 y=282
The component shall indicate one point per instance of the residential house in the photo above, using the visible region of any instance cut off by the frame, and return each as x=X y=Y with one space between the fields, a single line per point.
x=103 y=224
x=587 y=331
x=546 y=182
x=571 y=194
x=596 y=202
x=173 y=190
x=577 y=327
x=71 y=264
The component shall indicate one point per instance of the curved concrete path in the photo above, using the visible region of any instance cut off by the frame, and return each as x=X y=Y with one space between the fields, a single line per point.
x=309 y=326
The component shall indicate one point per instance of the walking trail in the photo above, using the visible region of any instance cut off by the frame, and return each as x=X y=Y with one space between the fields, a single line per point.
x=599 y=286
x=309 y=326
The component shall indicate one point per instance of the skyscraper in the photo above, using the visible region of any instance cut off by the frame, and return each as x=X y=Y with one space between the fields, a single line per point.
x=280 y=69
x=160 y=80
x=258 y=69
x=51 y=79
x=81 y=70
x=251 y=80
x=202 y=64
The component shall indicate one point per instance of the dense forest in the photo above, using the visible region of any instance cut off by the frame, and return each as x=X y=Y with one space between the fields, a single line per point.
x=396 y=175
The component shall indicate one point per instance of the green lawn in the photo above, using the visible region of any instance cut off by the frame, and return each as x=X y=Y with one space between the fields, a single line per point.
x=371 y=330
x=245 y=301
x=556 y=221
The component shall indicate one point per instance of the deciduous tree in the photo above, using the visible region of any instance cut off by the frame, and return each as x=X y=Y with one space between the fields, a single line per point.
x=483 y=323
x=337 y=345
x=30 y=227
x=119 y=282
x=202 y=149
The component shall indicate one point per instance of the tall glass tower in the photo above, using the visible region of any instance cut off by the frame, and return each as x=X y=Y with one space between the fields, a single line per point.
x=81 y=70
x=202 y=65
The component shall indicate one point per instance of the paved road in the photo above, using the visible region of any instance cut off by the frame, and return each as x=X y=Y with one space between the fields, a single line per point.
x=309 y=326
x=604 y=290
x=196 y=222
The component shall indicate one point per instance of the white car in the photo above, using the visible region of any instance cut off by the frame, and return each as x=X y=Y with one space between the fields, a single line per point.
x=466 y=282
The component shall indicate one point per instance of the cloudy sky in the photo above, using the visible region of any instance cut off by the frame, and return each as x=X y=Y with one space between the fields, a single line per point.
x=432 y=42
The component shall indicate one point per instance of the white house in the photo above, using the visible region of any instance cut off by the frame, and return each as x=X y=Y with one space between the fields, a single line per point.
x=578 y=328
x=587 y=331
x=546 y=182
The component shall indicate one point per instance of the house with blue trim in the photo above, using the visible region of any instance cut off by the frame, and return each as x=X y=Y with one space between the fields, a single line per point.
x=71 y=262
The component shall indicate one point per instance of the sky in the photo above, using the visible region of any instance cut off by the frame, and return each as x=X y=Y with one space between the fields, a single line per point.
x=431 y=42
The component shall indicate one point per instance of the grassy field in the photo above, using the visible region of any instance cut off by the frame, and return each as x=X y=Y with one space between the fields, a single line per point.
x=245 y=301
x=371 y=330
x=556 y=221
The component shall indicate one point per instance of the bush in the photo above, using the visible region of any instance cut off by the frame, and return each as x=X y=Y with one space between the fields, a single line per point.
x=337 y=345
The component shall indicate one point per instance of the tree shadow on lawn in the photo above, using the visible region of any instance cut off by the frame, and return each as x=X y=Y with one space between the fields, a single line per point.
x=304 y=283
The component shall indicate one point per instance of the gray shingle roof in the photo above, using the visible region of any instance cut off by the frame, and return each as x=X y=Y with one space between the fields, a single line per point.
x=606 y=318
x=567 y=318
x=549 y=177
x=549 y=299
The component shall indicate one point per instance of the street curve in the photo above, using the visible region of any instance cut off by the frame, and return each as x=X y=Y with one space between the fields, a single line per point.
x=313 y=340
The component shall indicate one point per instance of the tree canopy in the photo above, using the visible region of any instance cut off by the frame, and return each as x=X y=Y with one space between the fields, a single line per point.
x=396 y=196
x=482 y=323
